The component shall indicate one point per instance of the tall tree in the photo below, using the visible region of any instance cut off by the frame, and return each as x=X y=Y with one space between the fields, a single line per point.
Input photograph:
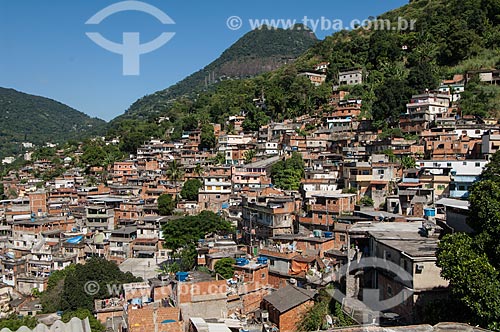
x=225 y=268
x=472 y=262
x=199 y=170
x=207 y=137
x=166 y=205
x=190 y=189
x=175 y=173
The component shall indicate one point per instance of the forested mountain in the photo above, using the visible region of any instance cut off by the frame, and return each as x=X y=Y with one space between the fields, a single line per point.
x=29 y=118
x=261 y=50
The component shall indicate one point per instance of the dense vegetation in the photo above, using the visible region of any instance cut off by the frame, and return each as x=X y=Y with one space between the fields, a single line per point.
x=28 y=118
x=286 y=174
x=190 y=189
x=182 y=235
x=13 y=322
x=166 y=204
x=179 y=233
x=256 y=52
x=472 y=262
x=224 y=267
x=67 y=289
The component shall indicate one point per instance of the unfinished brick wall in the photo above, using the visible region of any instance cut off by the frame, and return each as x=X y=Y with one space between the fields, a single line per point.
x=277 y=281
x=143 y=319
x=196 y=291
x=289 y=321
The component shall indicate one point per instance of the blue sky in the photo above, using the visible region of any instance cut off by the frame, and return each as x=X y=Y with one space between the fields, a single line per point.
x=44 y=49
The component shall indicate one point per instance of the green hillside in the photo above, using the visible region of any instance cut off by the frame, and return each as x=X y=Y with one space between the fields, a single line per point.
x=28 y=118
x=256 y=52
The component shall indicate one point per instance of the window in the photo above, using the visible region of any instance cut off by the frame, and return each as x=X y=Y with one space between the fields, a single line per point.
x=464 y=163
x=478 y=164
x=263 y=276
x=389 y=291
x=462 y=188
x=342 y=237
x=448 y=164
x=441 y=186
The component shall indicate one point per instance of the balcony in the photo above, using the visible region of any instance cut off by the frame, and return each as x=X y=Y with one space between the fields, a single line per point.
x=361 y=178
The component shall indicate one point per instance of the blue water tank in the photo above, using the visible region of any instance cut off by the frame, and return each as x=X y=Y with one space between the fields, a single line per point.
x=181 y=276
x=430 y=212
x=242 y=261
x=328 y=235
x=262 y=260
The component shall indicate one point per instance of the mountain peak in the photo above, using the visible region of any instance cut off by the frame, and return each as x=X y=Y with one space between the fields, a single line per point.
x=258 y=51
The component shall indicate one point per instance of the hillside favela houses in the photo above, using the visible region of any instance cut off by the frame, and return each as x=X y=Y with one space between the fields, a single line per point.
x=355 y=188
x=303 y=210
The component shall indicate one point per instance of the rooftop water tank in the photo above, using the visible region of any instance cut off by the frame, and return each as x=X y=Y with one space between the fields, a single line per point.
x=430 y=212
x=181 y=276
x=262 y=260
x=242 y=261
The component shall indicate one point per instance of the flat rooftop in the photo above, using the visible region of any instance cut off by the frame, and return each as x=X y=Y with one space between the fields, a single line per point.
x=388 y=230
x=263 y=163
x=454 y=203
x=424 y=247
x=146 y=268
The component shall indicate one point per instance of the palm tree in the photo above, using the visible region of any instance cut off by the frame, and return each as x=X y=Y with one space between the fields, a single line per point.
x=408 y=162
x=198 y=170
x=175 y=173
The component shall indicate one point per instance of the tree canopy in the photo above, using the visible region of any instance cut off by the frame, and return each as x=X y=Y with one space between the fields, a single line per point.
x=190 y=189
x=471 y=262
x=166 y=204
x=13 y=322
x=67 y=289
x=224 y=267
x=179 y=233
x=287 y=174
x=207 y=137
